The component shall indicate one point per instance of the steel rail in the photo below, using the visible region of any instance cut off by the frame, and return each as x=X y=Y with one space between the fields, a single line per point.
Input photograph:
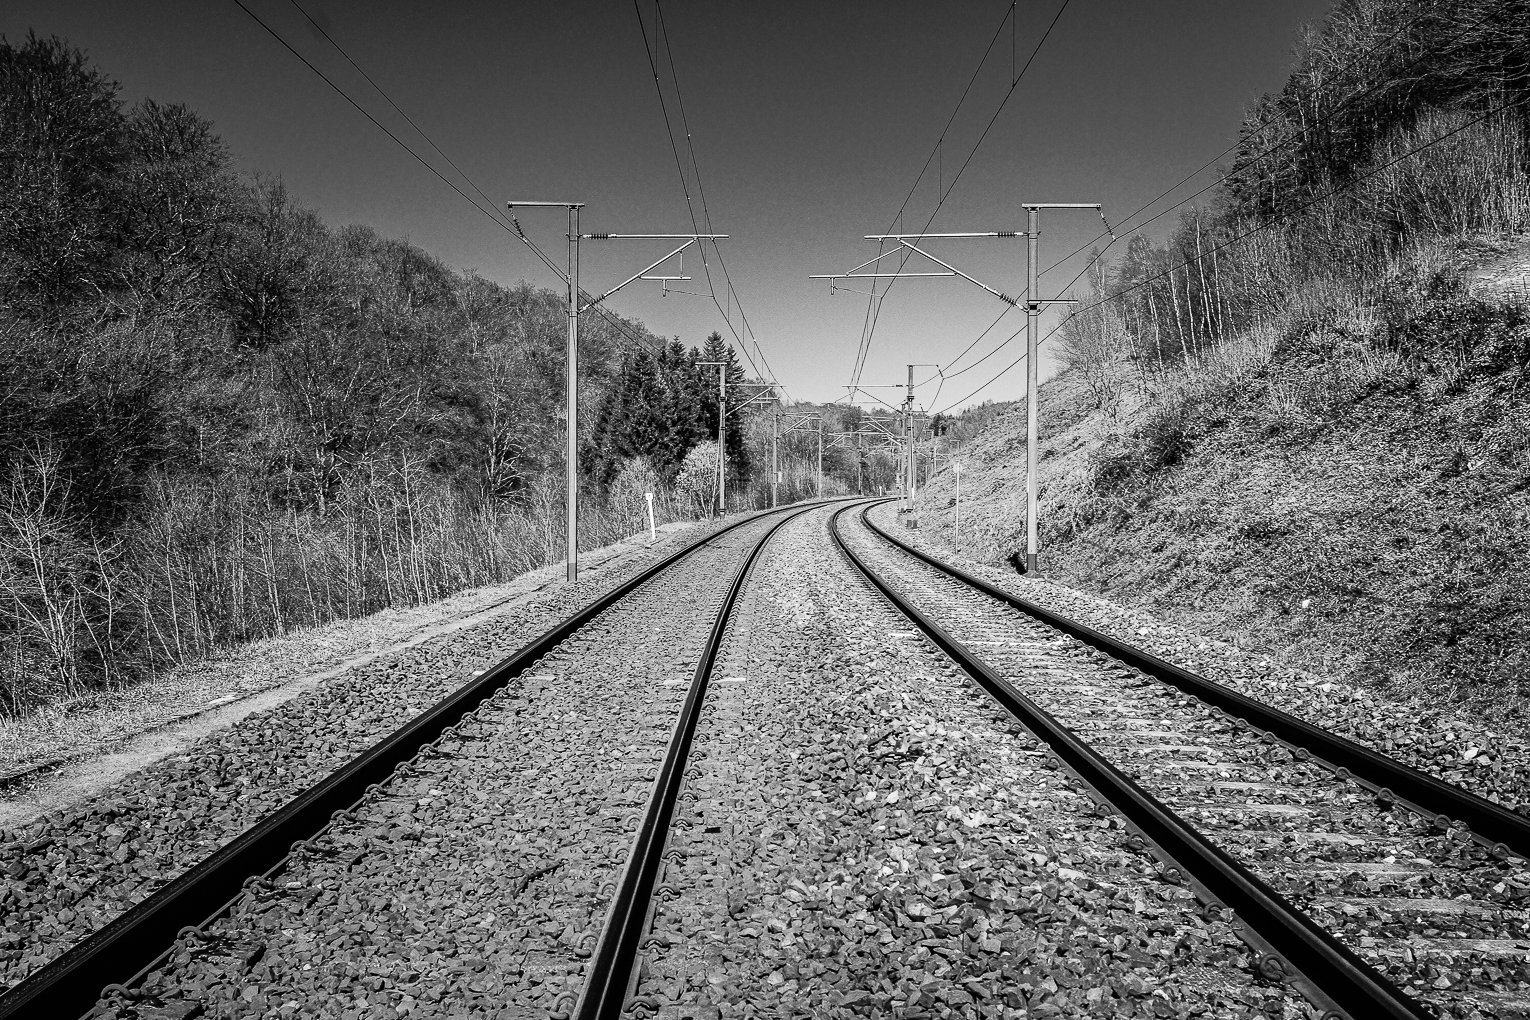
x=1444 y=803
x=135 y=941
x=1348 y=983
x=610 y=973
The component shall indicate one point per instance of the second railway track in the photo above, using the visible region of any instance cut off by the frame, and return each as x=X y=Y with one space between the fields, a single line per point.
x=1438 y=913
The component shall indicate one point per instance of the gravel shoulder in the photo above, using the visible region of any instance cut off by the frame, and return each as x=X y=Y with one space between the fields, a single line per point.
x=1488 y=757
x=73 y=749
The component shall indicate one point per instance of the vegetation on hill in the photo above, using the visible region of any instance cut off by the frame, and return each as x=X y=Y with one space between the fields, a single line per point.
x=221 y=418
x=1301 y=421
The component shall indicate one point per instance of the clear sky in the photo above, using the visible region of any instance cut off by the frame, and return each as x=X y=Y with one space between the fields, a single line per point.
x=810 y=122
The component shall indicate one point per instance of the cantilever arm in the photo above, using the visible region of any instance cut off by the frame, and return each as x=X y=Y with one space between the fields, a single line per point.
x=638 y=275
x=762 y=395
x=1002 y=297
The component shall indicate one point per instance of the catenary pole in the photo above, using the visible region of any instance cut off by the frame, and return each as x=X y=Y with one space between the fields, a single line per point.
x=572 y=393
x=820 y=457
x=1032 y=313
x=722 y=436
x=775 y=470
x=908 y=431
x=1033 y=305
x=571 y=386
x=571 y=383
x=956 y=536
x=722 y=417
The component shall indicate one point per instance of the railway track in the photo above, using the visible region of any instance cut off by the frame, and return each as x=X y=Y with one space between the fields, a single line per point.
x=789 y=799
x=858 y=835
x=1356 y=874
x=507 y=800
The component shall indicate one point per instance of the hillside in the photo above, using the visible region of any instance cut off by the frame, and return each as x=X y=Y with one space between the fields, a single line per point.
x=1305 y=492
x=1298 y=422
x=222 y=418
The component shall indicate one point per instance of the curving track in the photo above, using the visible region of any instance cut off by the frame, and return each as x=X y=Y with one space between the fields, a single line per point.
x=860 y=835
x=1430 y=908
x=757 y=779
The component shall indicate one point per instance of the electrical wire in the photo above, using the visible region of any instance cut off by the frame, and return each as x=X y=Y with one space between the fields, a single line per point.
x=1014 y=84
x=388 y=99
x=701 y=192
x=490 y=211
x=941 y=371
x=1256 y=230
x=1009 y=16
x=1114 y=235
x=652 y=53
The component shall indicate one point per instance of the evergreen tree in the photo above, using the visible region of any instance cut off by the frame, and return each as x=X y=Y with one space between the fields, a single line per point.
x=652 y=411
x=717 y=349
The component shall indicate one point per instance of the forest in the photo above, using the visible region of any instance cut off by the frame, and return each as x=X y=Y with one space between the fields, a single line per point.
x=222 y=418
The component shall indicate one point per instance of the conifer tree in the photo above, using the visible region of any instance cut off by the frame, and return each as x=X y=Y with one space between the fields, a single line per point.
x=717 y=349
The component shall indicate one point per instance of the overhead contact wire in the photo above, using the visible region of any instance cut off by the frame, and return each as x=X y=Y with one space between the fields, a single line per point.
x=1014 y=84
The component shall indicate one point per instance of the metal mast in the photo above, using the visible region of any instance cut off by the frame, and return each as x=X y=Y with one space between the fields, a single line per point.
x=1033 y=305
x=571 y=279
x=572 y=394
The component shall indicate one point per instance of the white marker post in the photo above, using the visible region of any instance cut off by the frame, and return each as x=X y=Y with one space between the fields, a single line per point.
x=957 y=527
x=653 y=534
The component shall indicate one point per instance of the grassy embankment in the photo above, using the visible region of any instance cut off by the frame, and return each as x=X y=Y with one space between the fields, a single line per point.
x=1351 y=506
x=1300 y=422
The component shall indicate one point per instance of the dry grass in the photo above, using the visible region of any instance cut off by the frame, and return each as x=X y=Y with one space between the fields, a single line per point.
x=210 y=564
x=98 y=721
x=1347 y=491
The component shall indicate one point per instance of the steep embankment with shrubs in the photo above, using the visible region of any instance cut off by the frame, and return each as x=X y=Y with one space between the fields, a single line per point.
x=1301 y=423
x=1308 y=492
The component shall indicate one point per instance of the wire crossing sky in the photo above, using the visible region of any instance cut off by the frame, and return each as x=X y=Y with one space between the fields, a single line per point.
x=806 y=123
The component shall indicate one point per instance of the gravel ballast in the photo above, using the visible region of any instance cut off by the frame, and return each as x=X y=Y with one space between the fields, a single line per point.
x=865 y=833
x=476 y=880
x=1440 y=915
x=1492 y=761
